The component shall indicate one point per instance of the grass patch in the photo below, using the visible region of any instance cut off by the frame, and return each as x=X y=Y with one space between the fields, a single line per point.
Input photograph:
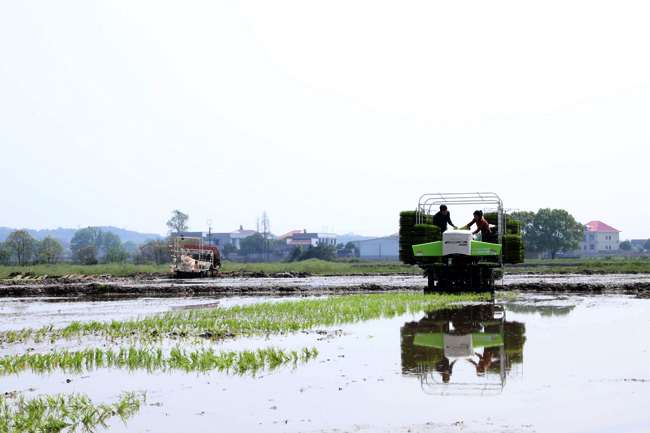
x=270 y=317
x=312 y=266
x=605 y=264
x=316 y=266
x=57 y=412
x=116 y=269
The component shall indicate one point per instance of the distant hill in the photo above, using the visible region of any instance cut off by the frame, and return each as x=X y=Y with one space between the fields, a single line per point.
x=65 y=235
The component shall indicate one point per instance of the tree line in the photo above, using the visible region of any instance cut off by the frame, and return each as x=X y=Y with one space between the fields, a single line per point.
x=88 y=246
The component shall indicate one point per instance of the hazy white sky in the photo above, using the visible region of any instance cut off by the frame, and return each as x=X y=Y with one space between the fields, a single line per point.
x=335 y=114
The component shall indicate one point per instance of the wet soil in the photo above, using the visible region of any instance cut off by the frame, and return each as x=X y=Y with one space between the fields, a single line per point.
x=303 y=284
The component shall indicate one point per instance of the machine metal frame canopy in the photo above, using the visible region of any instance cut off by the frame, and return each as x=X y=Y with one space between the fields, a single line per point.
x=427 y=201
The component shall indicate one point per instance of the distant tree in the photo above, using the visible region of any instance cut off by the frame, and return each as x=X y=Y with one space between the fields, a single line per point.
x=49 y=251
x=552 y=230
x=22 y=244
x=350 y=245
x=295 y=254
x=90 y=236
x=253 y=244
x=115 y=254
x=154 y=250
x=5 y=254
x=625 y=246
x=646 y=245
x=178 y=222
x=228 y=248
x=321 y=252
x=340 y=246
x=526 y=219
x=130 y=246
x=86 y=255
x=110 y=240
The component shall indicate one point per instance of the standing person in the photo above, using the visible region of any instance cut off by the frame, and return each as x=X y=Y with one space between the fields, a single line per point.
x=442 y=218
x=481 y=224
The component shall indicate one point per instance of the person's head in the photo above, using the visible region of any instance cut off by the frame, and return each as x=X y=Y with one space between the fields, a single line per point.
x=443 y=209
x=478 y=215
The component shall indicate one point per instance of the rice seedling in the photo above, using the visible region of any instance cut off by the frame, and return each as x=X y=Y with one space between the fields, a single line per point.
x=265 y=317
x=153 y=360
x=54 y=413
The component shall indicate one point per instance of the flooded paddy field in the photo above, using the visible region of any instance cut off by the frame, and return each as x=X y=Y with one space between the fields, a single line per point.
x=533 y=362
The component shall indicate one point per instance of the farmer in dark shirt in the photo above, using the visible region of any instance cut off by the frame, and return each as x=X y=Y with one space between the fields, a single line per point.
x=481 y=224
x=442 y=218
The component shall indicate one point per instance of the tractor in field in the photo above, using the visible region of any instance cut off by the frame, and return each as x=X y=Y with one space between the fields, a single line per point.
x=193 y=261
x=454 y=260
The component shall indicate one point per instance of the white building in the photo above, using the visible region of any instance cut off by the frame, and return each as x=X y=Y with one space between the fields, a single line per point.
x=386 y=248
x=303 y=238
x=599 y=237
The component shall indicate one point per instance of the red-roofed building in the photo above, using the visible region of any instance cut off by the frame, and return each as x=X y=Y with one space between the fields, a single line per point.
x=599 y=237
x=289 y=235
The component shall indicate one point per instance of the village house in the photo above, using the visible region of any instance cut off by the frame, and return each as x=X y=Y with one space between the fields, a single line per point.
x=599 y=238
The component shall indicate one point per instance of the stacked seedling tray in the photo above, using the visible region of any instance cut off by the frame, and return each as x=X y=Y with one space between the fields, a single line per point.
x=406 y=223
x=411 y=234
x=513 y=227
x=493 y=219
x=513 y=249
x=423 y=234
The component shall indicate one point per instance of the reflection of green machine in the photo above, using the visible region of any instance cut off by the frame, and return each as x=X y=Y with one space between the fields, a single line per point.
x=453 y=260
x=458 y=345
x=443 y=341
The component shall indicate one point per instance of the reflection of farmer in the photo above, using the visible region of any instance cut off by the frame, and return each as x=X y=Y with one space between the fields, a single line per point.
x=481 y=223
x=444 y=367
x=484 y=362
x=442 y=218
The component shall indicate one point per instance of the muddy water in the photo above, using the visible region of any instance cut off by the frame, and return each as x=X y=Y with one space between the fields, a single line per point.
x=533 y=364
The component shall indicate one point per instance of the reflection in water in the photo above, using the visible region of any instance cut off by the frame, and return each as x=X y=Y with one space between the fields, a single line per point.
x=543 y=310
x=475 y=339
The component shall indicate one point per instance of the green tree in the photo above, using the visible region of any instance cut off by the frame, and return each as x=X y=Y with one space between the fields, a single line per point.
x=253 y=244
x=340 y=246
x=228 y=248
x=115 y=253
x=22 y=245
x=5 y=254
x=110 y=240
x=526 y=219
x=90 y=236
x=554 y=230
x=646 y=245
x=154 y=250
x=178 y=222
x=295 y=254
x=86 y=255
x=350 y=245
x=49 y=250
x=321 y=251
x=625 y=246
x=130 y=246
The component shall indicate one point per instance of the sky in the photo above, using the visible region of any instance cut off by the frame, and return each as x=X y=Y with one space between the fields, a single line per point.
x=330 y=116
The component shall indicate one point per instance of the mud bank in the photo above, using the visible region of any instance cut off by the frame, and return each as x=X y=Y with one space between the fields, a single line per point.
x=308 y=285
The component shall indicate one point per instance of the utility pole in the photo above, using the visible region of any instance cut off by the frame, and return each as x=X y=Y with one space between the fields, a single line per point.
x=210 y=232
